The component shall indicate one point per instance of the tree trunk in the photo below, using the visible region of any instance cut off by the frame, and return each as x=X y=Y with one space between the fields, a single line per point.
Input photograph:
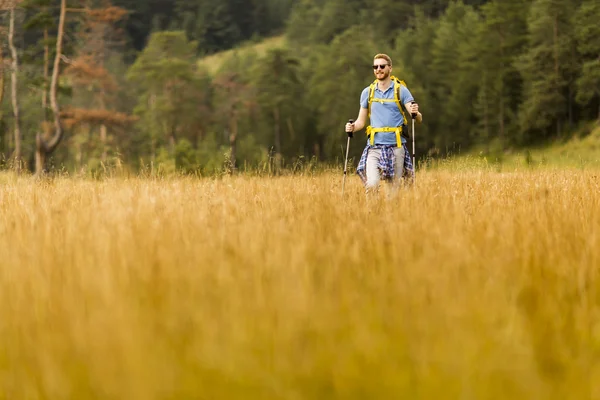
x=103 y=140
x=570 y=105
x=2 y=131
x=46 y=72
x=277 y=137
x=556 y=67
x=486 y=121
x=14 y=92
x=233 y=142
x=43 y=148
x=555 y=37
x=501 y=93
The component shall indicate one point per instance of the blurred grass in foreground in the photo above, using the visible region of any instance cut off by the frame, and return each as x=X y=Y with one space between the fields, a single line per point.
x=476 y=285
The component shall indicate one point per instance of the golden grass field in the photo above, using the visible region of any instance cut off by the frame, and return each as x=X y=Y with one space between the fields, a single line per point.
x=475 y=285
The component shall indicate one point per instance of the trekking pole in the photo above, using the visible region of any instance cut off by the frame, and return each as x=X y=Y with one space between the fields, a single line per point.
x=413 y=148
x=350 y=134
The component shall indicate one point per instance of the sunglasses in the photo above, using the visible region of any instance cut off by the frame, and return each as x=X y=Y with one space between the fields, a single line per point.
x=382 y=66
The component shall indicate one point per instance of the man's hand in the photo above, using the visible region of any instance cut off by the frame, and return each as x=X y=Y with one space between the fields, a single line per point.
x=350 y=129
x=413 y=108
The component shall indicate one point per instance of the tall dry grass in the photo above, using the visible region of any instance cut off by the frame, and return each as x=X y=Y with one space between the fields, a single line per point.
x=476 y=285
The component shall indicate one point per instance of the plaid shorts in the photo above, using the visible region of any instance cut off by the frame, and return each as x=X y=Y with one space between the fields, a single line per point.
x=386 y=162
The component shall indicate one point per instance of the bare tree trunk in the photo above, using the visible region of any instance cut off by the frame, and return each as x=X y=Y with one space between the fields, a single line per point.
x=103 y=130
x=556 y=65
x=103 y=140
x=502 y=95
x=14 y=91
x=277 y=137
x=43 y=148
x=2 y=131
x=233 y=141
x=486 y=122
x=46 y=73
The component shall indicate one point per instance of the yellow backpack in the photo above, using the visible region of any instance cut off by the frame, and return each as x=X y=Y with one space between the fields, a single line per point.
x=370 y=131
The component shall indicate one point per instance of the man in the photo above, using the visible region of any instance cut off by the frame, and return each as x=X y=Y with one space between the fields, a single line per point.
x=386 y=149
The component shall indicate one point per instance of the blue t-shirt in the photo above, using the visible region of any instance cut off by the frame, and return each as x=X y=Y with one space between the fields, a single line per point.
x=386 y=114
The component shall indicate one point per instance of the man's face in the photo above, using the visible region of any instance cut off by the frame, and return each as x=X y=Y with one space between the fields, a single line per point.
x=381 y=69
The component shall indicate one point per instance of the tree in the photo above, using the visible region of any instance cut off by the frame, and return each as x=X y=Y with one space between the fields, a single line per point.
x=90 y=77
x=548 y=69
x=166 y=76
x=41 y=20
x=235 y=98
x=414 y=47
x=336 y=100
x=587 y=32
x=12 y=5
x=303 y=22
x=216 y=28
x=46 y=144
x=452 y=68
x=277 y=75
x=502 y=38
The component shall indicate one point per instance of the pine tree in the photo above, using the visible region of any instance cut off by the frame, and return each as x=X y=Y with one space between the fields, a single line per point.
x=413 y=64
x=337 y=100
x=303 y=22
x=587 y=32
x=548 y=69
x=277 y=78
x=501 y=39
x=165 y=75
x=452 y=68
x=215 y=28
x=234 y=101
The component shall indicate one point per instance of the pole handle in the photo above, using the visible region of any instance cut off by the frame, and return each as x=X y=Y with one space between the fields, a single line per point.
x=413 y=115
x=350 y=134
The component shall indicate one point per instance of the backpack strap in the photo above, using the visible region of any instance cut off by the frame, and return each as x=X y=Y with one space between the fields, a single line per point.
x=370 y=131
x=401 y=107
x=371 y=95
x=397 y=95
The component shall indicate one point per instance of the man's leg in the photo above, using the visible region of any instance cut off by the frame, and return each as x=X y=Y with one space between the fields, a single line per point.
x=399 y=154
x=373 y=174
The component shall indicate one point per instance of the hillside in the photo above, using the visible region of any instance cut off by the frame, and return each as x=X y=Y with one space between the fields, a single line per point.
x=212 y=62
x=582 y=150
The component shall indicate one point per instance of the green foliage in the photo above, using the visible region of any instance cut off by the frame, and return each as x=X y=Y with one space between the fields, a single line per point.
x=487 y=73
x=280 y=97
x=548 y=68
x=501 y=38
x=336 y=100
x=186 y=157
x=587 y=32
x=169 y=87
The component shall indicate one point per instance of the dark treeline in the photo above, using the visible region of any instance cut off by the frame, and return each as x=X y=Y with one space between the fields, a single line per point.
x=214 y=24
x=497 y=75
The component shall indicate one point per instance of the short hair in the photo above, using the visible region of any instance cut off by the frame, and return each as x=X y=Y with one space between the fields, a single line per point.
x=384 y=57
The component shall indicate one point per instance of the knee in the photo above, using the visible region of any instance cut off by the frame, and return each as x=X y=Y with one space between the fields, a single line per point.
x=372 y=182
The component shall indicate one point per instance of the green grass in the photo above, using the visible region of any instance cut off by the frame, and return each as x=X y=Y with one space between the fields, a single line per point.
x=582 y=150
x=213 y=61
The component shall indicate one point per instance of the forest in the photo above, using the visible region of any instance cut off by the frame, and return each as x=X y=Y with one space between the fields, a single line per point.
x=90 y=85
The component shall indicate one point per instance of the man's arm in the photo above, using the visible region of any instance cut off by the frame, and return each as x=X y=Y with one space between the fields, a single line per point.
x=360 y=122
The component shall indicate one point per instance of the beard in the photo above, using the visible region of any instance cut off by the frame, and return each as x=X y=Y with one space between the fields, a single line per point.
x=382 y=76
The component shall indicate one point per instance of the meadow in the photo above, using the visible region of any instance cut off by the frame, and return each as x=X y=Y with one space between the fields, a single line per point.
x=475 y=284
